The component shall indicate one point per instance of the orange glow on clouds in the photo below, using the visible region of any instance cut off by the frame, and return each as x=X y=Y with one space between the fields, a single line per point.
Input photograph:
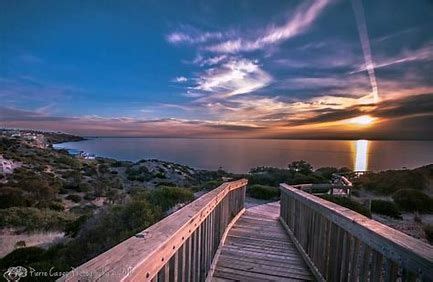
x=364 y=120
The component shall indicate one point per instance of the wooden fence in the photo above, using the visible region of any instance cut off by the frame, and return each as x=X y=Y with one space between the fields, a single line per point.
x=181 y=247
x=342 y=245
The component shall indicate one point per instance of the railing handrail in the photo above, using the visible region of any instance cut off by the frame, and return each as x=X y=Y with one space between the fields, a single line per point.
x=144 y=254
x=393 y=244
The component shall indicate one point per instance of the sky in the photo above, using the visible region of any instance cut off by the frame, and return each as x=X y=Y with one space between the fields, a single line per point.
x=327 y=69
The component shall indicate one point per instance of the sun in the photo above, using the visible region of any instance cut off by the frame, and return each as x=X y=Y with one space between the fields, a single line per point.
x=362 y=120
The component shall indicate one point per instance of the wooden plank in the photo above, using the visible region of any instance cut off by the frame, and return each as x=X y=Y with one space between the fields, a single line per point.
x=265 y=268
x=222 y=241
x=243 y=275
x=306 y=258
x=260 y=250
x=295 y=264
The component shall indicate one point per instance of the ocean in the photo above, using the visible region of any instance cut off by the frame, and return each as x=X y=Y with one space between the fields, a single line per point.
x=240 y=155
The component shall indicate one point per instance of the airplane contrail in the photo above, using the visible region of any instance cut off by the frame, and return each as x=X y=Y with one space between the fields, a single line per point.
x=365 y=43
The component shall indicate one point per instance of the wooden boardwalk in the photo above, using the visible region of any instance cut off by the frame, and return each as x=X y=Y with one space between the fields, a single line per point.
x=258 y=248
x=214 y=238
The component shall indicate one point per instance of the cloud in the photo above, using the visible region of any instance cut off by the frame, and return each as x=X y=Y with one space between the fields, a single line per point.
x=390 y=109
x=301 y=19
x=190 y=35
x=235 y=77
x=201 y=61
x=251 y=117
x=424 y=53
x=180 y=79
x=366 y=49
x=123 y=126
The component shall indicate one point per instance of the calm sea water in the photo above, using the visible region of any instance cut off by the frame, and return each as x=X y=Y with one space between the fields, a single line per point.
x=239 y=155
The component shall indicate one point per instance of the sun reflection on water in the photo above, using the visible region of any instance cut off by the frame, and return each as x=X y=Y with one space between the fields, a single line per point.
x=361 y=155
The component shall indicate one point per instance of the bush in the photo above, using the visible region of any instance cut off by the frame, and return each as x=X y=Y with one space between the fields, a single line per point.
x=301 y=167
x=388 y=208
x=298 y=173
x=68 y=161
x=35 y=258
x=210 y=185
x=34 y=219
x=348 y=203
x=55 y=206
x=73 y=227
x=21 y=256
x=89 y=196
x=108 y=228
x=263 y=192
x=428 y=229
x=168 y=197
x=74 y=198
x=413 y=200
x=390 y=181
x=327 y=172
x=11 y=197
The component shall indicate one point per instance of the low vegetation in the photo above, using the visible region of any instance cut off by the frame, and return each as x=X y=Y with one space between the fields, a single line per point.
x=412 y=200
x=348 y=203
x=263 y=192
x=390 y=181
x=297 y=172
x=388 y=208
x=167 y=197
x=32 y=219
x=97 y=203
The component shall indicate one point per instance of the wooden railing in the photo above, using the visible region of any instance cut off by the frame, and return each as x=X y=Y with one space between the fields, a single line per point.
x=181 y=247
x=342 y=245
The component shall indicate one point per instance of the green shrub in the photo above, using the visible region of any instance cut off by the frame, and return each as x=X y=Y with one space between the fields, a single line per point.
x=428 y=229
x=413 y=200
x=298 y=173
x=160 y=175
x=36 y=258
x=109 y=227
x=72 y=228
x=34 y=219
x=168 y=197
x=11 y=197
x=327 y=172
x=74 y=198
x=55 y=206
x=390 y=181
x=348 y=203
x=388 y=208
x=68 y=161
x=89 y=197
x=301 y=166
x=263 y=192
x=210 y=185
x=22 y=256
x=116 y=164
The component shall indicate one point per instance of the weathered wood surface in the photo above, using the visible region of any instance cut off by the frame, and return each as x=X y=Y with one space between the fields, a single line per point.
x=257 y=248
x=346 y=246
x=178 y=248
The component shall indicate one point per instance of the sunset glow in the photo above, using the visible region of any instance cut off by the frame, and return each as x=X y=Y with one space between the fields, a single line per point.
x=362 y=120
x=361 y=156
x=287 y=69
